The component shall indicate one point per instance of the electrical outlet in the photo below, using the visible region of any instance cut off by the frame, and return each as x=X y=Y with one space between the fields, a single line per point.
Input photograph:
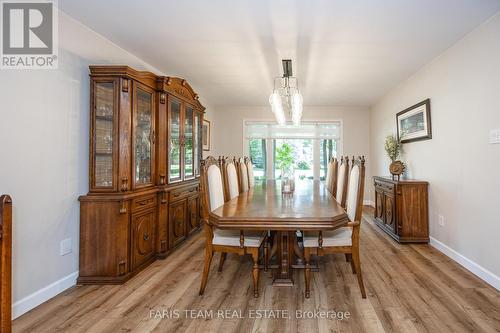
x=65 y=247
x=441 y=220
x=495 y=136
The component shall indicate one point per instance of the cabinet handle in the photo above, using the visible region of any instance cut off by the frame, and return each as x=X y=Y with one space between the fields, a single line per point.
x=124 y=186
x=121 y=267
x=164 y=198
x=123 y=208
x=145 y=237
x=176 y=194
x=162 y=178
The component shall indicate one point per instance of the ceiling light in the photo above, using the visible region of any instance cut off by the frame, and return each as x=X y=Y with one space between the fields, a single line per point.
x=286 y=95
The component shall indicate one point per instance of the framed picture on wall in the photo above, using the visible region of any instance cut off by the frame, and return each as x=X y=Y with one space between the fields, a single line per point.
x=414 y=123
x=205 y=135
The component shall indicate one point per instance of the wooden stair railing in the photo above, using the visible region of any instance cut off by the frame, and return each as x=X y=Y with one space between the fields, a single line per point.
x=5 y=263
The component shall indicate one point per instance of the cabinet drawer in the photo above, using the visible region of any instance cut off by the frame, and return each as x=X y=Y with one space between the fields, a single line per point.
x=144 y=202
x=383 y=186
x=182 y=193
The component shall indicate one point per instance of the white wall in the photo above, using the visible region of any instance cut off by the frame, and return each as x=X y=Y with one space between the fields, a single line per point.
x=44 y=135
x=461 y=166
x=228 y=138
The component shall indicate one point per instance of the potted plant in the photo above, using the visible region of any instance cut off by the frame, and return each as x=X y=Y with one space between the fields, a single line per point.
x=393 y=148
x=284 y=158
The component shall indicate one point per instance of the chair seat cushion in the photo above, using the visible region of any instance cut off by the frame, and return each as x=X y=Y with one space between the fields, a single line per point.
x=338 y=237
x=232 y=238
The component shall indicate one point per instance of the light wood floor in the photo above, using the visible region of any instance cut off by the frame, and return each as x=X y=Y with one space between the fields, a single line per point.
x=411 y=288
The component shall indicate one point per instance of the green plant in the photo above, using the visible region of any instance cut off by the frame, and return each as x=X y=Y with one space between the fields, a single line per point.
x=303 y=165
x=393 y=147
x=284 y=156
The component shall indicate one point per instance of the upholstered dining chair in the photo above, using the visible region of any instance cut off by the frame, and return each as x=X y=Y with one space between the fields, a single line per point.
x=331 y=175
x=242 y=175
x=342 y=178
x=345 y=239
x=224 y=241
x=251 y=180
x=230 y=177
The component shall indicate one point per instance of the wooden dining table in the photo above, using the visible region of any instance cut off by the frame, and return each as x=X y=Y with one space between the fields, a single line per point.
x=310 y=207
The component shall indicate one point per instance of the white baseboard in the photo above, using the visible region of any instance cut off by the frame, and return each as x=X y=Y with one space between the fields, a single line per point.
x=369 y=203
x=470 y=265
x=38 y=297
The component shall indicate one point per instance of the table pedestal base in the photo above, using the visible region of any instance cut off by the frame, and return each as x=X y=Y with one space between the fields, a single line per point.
x=285 y=251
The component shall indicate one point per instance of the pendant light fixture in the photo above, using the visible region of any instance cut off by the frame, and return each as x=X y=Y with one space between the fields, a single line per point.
x=286 y=96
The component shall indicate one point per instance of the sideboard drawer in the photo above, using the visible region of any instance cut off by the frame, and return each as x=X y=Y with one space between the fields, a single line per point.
x=384 y=186
x=182 y=193
x=143 y=202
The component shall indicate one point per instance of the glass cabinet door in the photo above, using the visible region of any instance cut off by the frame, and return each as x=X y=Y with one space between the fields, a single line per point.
x=143 y=137
x=174 y=149
x=103 y=134
x=196 y=143
x=188 y=143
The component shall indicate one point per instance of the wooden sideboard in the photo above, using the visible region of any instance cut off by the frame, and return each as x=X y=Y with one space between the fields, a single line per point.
x=145 y=154
x=402 y=209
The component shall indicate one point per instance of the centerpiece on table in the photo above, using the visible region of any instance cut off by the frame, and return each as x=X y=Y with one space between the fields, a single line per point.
x=394 y=148
x=284 y=158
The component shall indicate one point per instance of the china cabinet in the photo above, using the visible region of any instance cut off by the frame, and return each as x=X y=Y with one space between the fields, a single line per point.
x=145 y=153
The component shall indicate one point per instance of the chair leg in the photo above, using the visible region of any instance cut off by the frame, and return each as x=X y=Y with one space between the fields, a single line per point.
x=357 y=265
x=255 y=273
x=348 y=257
x=206 y=269
x=307 y=271
x=266 y=255
x=221 y=260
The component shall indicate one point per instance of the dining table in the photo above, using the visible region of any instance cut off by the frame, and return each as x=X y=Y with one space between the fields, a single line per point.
x=309 y=207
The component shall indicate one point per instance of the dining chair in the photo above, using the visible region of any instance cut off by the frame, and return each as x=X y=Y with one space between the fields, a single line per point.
x=331 y=175
x=242 y=175
x=345 y=239
x=230 y=178
x=249 y=165
x=342 y=181
x=224 y=241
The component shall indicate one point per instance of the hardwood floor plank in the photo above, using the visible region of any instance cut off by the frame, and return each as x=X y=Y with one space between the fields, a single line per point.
x=410 y=288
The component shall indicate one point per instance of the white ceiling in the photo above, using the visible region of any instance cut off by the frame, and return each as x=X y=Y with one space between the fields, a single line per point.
x=345 y=52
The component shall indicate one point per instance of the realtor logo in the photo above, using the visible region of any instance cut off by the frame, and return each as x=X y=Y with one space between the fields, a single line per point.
x=29 y=35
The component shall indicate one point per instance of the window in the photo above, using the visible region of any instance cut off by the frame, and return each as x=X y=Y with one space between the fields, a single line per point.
x=299 y=152
x=305 y=148
x=257 y=153
x=327 y=150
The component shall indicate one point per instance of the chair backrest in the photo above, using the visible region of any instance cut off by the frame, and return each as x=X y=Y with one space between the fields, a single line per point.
x=212 y=190
x=331 y=175
x=342 y=181
x=242 y=175
x=230 y=175
x=328 y=179
x=335 y=175
x=354 y=205
x=251 y=180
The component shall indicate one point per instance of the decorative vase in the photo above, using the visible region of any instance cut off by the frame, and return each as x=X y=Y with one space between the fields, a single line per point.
x=396 y=168
x=287 y=180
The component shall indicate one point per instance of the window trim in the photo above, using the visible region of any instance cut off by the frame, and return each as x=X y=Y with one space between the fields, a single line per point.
x=270 y=152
